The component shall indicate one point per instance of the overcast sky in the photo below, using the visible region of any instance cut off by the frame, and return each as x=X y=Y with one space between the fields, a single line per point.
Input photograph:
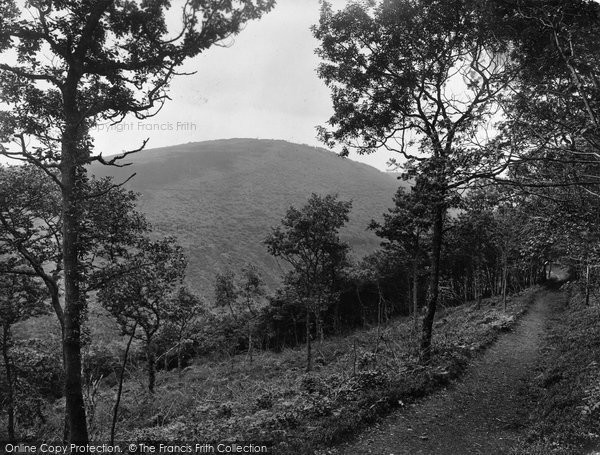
x=263 y=86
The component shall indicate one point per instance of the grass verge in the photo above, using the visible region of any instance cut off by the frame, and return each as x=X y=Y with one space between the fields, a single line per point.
x=566 y=417
x=357 y=380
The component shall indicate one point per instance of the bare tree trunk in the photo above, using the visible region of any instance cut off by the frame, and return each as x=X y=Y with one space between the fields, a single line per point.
x=363 y=318
x=150 y=358
x=317 y=326
x=337 y=320
x=296 y=331
x=320 y=330
x=179 y=360
x=587 y=285
x=308 y=347
x=504 y=282
x=438 y=225
x=379 y=311
x=354 y=358
x=71 y=178
x=10 y=408
x=250 y=343
x=415 y=279
x=120 y=390
x=478 y=286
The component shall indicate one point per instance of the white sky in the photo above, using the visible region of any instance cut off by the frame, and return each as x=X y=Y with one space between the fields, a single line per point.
x=264 y=86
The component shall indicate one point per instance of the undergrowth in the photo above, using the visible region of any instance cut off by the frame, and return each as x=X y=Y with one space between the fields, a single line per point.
x=566 y=418
x=356 y=380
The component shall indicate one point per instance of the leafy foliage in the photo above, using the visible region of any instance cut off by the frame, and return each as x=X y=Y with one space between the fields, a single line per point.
x=68 y=66
x=140 y=291
x=421 y=79
x=183 y=313
x=308 y=240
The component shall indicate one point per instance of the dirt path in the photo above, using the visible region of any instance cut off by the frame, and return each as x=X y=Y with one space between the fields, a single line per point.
x=482 y=413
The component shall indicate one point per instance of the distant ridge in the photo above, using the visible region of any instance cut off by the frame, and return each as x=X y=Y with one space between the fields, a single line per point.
x=221 y=197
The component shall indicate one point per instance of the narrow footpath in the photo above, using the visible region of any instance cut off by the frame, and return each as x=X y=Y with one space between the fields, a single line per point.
x=481 y=414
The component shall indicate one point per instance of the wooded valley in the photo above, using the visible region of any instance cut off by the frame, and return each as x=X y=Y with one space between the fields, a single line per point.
x=281 y=296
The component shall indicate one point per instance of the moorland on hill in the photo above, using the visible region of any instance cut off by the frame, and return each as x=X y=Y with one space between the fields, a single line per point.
x=220 y=198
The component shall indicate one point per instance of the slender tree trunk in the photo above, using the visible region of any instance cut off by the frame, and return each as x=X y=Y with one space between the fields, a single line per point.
x=337 y=323
x=379 y=317
x=71 y=179
x=308 y=347
x=120 y=390
x=179 y=359
x=379 y=308
x=150 y=357
x=438 y=226
x=478 y=286
x=296 y=339
x=250 y=343
x=504 y=282
x=415 y=279
x=179 y=343
x=10 y=408
x=363 y=318
x=587 y=285
x=317 y=326
x=319 y=323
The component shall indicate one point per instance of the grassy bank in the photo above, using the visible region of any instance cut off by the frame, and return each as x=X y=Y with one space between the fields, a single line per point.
x=357 y=379
x=566 y=419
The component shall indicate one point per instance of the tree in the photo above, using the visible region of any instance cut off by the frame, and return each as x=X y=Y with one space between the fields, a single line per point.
x=31 y=228
x=138 y=295
x=308 y=240
x=21 y=297
x=552 y=110
x=252 y=288
x=405 y=229
x=509 y=219
x=241 y=297
x=475 y=229
x=226 y=292
x=552 y=117
x=183 y=310
x=567 y=221
x=422 y=79
x=66 y=67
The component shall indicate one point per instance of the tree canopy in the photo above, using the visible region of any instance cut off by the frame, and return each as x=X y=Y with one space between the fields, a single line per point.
x=421 y=79
x=69 y=65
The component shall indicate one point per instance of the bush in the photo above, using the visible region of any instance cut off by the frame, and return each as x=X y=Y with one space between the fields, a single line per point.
x=38 y=366
x=101 y=362
x=38 y=380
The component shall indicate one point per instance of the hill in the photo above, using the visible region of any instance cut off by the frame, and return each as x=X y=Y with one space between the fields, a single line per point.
x=221 y=197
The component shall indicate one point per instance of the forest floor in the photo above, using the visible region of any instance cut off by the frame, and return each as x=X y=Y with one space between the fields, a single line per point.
x=484 y=413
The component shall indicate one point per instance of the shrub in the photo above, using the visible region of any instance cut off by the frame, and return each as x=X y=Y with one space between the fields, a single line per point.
x=101 y=362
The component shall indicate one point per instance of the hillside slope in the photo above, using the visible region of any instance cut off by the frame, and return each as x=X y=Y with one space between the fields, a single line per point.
x=221 y=197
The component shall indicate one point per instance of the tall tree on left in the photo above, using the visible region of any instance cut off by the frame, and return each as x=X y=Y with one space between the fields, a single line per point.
x=68 y=65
